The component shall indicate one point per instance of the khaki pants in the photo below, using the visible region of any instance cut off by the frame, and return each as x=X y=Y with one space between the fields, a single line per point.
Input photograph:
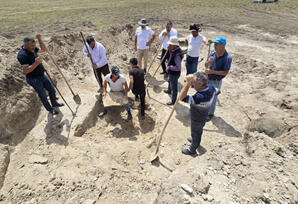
x=143 y=54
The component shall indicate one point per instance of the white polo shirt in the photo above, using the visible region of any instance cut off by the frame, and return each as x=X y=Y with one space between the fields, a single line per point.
x=143 y=36
x=98 y=54
x=165 y=39
x=117 y=85
x=194 y=45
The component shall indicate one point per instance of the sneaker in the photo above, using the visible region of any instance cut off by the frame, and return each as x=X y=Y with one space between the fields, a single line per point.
x=188 y=152
x=58 y=105
x=166 y=91
x=54 y=112
x=170 y=103
x=189 y=139
x=162 y=72
x=102 y=113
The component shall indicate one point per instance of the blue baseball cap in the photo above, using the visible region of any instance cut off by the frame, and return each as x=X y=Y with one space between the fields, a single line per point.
x=115 y=70
x=220 y=39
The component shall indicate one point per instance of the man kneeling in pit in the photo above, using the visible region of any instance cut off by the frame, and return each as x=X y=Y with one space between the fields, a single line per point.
x=118 y=86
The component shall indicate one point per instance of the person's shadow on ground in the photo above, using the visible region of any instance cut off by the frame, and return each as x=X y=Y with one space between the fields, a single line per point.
x=127 y=129
x=224 y=128
x=54 y=128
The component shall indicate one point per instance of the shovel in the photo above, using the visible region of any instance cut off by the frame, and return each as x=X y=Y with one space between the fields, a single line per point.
x=84 y=41
x=76 y=97
x=155 y=156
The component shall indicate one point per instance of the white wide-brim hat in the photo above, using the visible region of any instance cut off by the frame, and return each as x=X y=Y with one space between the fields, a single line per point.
x=173 y=41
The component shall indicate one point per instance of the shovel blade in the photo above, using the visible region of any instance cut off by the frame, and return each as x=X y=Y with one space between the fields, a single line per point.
x=77 y=99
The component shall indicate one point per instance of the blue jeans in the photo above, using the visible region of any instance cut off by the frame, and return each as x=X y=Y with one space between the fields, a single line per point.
x=196 y=134
x=173 y=86
x=191 y=64
x=216 y=84
x=40 y=84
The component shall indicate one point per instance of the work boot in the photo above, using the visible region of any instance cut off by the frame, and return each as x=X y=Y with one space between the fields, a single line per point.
x=129 y=116
x=58 y=105
x=188 y=152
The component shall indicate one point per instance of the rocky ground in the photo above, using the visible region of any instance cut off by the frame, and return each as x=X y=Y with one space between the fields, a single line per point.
x=248 y=153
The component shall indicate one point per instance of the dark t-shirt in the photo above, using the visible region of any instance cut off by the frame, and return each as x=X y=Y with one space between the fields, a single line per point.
x=27 y=57
x=220 y=64
x=138 y=80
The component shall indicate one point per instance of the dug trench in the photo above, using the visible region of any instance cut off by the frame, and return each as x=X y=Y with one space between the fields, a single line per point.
x=83 y=159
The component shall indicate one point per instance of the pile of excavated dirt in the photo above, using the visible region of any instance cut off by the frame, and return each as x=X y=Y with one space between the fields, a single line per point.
x=248 y=152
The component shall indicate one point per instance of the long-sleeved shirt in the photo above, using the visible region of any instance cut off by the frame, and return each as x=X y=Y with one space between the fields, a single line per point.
x=177 y=53
x=165 y=39
x=98 y=54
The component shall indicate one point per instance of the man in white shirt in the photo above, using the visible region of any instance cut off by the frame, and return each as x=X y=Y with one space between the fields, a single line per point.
x=117 y=83
x=99 y=58
x=143 y=38
x=194 y=43
x=165 y=35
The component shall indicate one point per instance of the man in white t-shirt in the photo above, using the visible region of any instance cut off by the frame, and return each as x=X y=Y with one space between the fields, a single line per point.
x=117 y=83
x=194 y=43
x=165 y=35
x=143 y=38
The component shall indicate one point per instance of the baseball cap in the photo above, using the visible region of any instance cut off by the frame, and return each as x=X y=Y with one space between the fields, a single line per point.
x=220 y=39
x=115 y=70
x=27 y=39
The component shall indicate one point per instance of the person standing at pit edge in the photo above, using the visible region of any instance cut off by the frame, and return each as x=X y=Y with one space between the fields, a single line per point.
x=34 y=71
x=143 y=38
x=99 y=58
x=174 y=68
x=137 y=84
x=217 y=66
x=165 y=36
x=200 y=103
x=194 y=42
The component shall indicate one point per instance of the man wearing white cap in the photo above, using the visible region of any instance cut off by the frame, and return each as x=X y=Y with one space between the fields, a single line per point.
x=174 y=68
x=165 y=36
x=143 y=38
x=194 y=42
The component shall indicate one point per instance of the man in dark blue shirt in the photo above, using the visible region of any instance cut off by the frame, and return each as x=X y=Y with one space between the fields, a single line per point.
x=217 y=66
x=34 y=71
x=200 y=104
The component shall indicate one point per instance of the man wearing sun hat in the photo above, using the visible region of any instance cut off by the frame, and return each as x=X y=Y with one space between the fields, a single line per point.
x=217 y=66
x=143 y=38
x=173 y=68
x=194 y=42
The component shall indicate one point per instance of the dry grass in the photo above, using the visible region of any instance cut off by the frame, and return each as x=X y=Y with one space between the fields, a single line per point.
x=18 y=17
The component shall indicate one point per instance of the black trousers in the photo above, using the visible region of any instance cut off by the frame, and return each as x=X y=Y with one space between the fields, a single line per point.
x=102 y=70
x=142 y=100
x=163 y=62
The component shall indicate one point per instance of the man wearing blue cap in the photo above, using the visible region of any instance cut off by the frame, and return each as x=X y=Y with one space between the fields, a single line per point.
x=217 y=66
